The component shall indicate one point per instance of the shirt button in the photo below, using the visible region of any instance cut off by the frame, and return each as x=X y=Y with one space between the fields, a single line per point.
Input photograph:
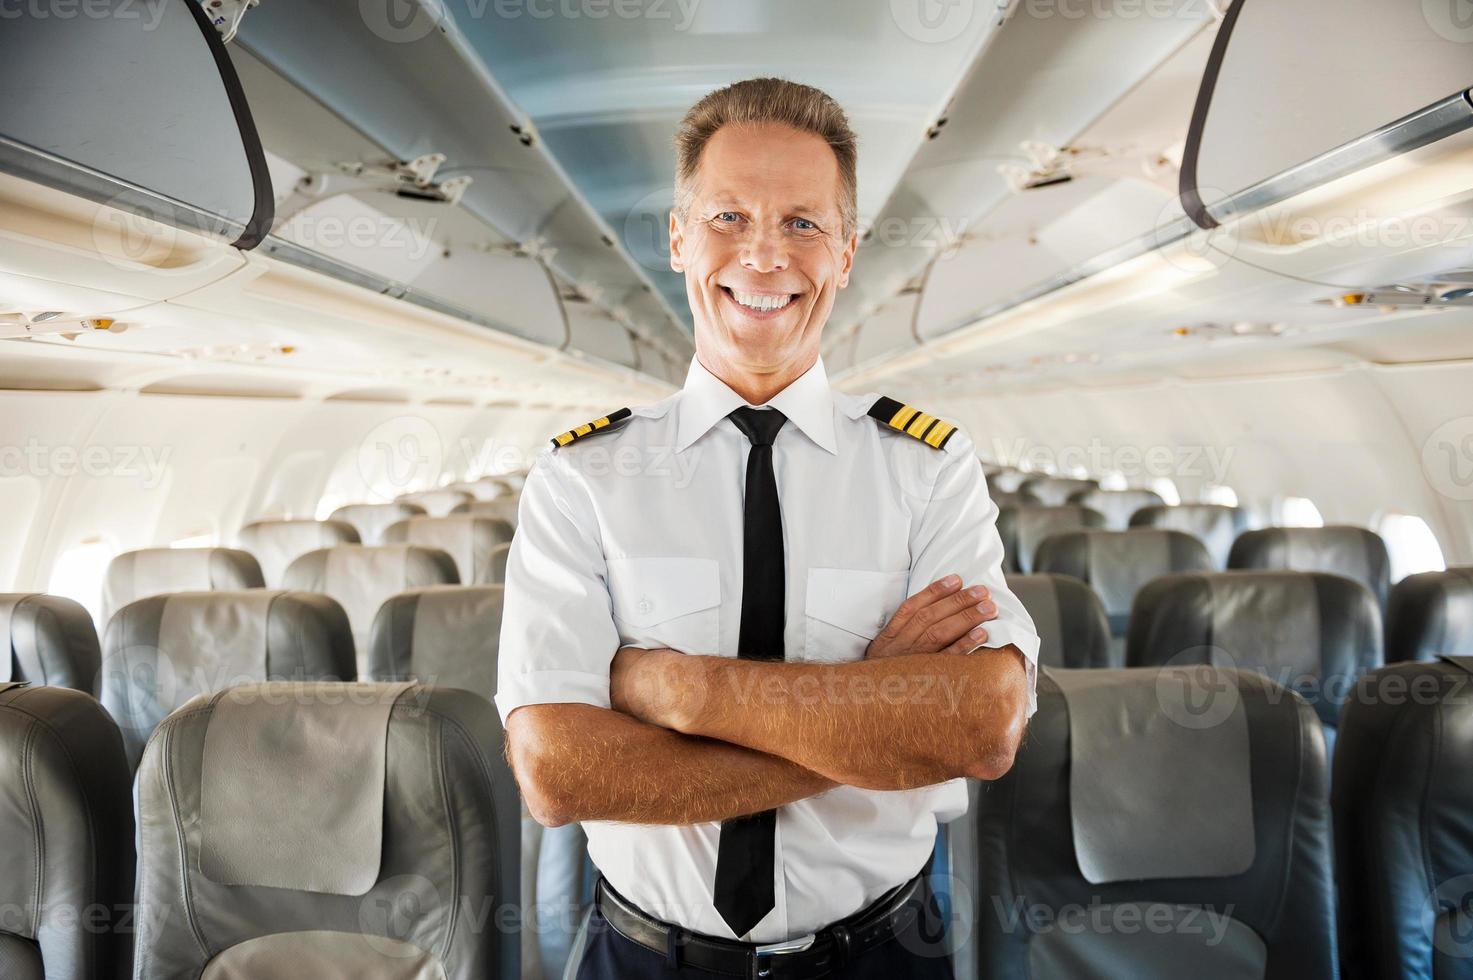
x=645 y=605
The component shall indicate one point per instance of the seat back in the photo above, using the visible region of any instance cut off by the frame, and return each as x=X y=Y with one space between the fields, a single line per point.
x=1117 y=506
x=1156 y=823
x=153 y=571
x=485 y=488
x=276 y=544
x=472 y=541
x=48 y=639
x=1429 y=615
x=1117 y=563
x=66 y=846
x=362 y=577
x=328 y=830
x=1311 y=632
x=446 y=635
x=1215 y=525
x=1023 y=529
x=1338 y=548
x=1403 y=839
x=502 y=508
x=1018 y=498
x=1073 y=630
x=163 y=650
x=437 y=503
x=371 y=520
x=1055 y=490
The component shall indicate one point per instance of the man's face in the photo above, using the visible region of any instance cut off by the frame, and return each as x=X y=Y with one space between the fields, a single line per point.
x=762 y=248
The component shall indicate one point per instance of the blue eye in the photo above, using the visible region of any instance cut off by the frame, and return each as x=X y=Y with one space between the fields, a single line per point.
x=803 y=224
x=728 y=216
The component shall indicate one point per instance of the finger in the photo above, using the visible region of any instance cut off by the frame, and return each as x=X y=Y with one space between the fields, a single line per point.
x=937 y=590
x=921 y=623
x=954 y=627
x=974 y=637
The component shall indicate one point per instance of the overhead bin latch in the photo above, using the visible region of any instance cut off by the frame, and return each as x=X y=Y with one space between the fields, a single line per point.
x=226 y=15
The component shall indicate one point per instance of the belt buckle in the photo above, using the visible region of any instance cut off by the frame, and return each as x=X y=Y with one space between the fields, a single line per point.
x=799 y=945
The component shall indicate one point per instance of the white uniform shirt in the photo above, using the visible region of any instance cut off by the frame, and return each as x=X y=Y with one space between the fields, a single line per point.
x=634 y=538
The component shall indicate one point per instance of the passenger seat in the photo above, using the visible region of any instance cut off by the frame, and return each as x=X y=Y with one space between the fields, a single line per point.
x=1023 y=529
x=153 y=571
x=1341 y=549
x=67 y=846
x=48 y=640
x=1072 y=627
x=1311 y=632
x=1156 y=823
x=1117 y=564
x=328 y=831
x=1056 y=490
x=471 y=541
x=1215 y=525
x=501 y=509
x=361 y=578
x=276 y=544
x=436 y=503
x=163 y=650
x=371 y=520
x=1117 y=506
x=1429 y=615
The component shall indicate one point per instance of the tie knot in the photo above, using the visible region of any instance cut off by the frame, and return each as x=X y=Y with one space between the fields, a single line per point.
x=759 y=425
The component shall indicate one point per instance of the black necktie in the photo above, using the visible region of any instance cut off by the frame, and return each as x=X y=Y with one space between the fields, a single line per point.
x=744 y=890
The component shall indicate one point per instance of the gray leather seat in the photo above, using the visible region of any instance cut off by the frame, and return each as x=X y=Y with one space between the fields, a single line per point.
x=362 y=577
x=48 y=639
x=1072 y=627
x=501 y=509
x=1214 y=525
x=472 y=541
x=1156 y=823
x=371 y=520
x=1117 y=506
x=327 y=830
x=1403 y=837
x=436 y=503
x=1340 y=549
x=163 y=650
x=448 y=636
x=1117 y=563
x=153 y=571
x=276 y=544
x=67 y=846
x=1309 y=631
x=1429 y=615
x=1018 y=498
x=1023 y=529
x=1055 y=490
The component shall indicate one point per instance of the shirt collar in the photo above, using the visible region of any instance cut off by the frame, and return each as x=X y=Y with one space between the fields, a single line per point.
x=705 y=400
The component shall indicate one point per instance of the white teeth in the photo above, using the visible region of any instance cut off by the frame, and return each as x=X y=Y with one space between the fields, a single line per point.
x=761 y=303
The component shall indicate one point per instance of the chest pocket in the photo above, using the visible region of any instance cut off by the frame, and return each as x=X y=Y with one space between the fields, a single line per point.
x=667 y=602
x=846 y=608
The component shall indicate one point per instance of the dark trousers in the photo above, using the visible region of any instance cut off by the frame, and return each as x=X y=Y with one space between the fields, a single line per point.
x=918 y=953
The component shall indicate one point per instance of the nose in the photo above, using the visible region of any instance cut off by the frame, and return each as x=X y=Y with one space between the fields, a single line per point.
x=764 y=251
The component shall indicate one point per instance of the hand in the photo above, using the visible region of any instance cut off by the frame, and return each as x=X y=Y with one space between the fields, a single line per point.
x=941 y=618
x=659 y=687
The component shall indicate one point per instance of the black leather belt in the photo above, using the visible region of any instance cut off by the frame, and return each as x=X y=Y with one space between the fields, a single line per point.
x=812 y=956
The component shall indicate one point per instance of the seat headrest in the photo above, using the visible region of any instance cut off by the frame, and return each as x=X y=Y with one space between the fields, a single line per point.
x=1118 y=506
x=48 y=639
x=1055 y=490
x=370 y=520
x=276 y=544
x=362 y=577
x=1117 y=563
x=1072 y=628
x=1215 y=525
x=468 y=539
x=486 y=488
x=437 y=503
x=447 y=635
x=502 y=508
x=1311 y=632
x=154 y=571
x=1340 y=549
x=1022 y=529
x=1429 y=615
x=164 y=650
x=1017 y=498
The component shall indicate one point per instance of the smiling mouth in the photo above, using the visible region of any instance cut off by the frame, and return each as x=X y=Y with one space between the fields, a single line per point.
x=760 y=303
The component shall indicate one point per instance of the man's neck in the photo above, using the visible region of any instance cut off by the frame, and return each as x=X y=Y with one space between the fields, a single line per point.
x=755 y=387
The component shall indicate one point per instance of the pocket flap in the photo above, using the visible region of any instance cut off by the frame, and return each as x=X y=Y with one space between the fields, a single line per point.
x=647 y=591
x=855 y=600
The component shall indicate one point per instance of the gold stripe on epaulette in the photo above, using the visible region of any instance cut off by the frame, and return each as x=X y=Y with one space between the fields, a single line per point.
x=912 y=421
x=572 y=435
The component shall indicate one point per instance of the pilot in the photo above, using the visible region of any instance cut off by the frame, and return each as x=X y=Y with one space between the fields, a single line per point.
x=756 y=634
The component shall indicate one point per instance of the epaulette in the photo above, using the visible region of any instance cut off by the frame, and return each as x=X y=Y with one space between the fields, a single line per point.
x=912 y=421
x=609 y=421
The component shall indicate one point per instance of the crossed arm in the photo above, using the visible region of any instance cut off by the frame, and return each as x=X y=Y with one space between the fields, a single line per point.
x=698 y=738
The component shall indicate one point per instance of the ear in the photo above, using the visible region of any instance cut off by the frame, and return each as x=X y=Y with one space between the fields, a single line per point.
x=847 y=259
x=677 y=243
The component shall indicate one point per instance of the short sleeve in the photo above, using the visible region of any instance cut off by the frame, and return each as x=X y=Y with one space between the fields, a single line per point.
x=557 y=631
x=957 y=535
